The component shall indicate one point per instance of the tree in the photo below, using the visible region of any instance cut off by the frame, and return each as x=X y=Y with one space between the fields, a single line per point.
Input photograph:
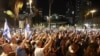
x=17 y=6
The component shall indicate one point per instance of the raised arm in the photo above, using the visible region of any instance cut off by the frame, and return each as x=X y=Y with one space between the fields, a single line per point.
x=49 y=42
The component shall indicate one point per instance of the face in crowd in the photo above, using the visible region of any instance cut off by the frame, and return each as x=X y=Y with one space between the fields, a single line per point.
x=7 y=48
x=1 y=41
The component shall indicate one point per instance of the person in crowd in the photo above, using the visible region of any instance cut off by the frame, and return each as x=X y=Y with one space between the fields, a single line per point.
x=63 y=47
x=13 y=43
x=52 y=51
x=1 y=50
x=57 y=44
x=1 y=43
x=98 y=42
x=91 y=50
x=72 y=50
x=49 y=43
x=6 y=49
x=20 y=50
x=40 y=50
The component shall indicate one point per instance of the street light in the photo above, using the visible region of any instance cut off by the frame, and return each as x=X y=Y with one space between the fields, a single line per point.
x=50 y=4
x=92 y=12
x=30 y=3
x=10 y=13
x=86 y=16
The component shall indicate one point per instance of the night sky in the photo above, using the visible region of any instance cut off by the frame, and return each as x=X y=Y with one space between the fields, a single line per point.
x=96 y=5
x=59 y=6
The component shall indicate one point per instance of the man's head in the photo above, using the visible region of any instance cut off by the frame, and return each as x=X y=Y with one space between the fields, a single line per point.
x=7 y=48
x=39 y=43
x=13 y=40
x=1 y=41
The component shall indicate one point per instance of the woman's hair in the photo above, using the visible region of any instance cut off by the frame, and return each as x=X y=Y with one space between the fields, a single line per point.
x=1 y=49
x=91 y=50
x=73 y=48
x=12 y=54
x=19 y=42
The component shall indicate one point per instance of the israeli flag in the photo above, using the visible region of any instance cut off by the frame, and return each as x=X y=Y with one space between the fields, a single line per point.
x=6 y=31
x=27 y=31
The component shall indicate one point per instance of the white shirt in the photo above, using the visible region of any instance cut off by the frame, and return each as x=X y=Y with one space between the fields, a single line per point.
x=4 y=54
x=38 y=51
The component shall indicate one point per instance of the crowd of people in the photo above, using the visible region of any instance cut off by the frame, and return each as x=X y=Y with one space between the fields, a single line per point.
x=50 y=43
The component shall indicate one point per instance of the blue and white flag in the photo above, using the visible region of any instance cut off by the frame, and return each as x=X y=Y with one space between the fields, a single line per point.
x=6 y=31
x=27 y=31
